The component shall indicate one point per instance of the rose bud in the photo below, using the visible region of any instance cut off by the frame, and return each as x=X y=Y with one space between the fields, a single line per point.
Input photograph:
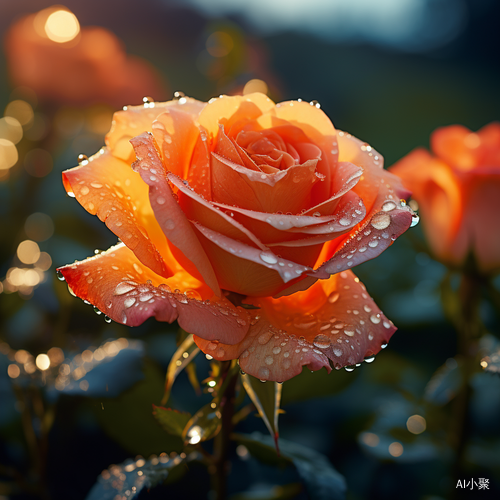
x=456 y=188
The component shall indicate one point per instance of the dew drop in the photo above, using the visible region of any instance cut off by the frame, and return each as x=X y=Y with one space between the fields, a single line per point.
x=107 y=319
x=370 y=359
x=263 y=373
x=388 y=206
x=169 y=224
x=268 y=258
x=97 y=311
x=344 y=221
x=373 y=243
x=321 y=341
x=375 y=319
x=414 y=220
x=129 y=302
x=269 y=360
x=60 y=276
x=333 y=297
x=381 y=220
x=82 y=159
x=124 y=287
x=349 y=368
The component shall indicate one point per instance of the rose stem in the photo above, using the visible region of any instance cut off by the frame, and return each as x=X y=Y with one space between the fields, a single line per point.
x=469 y=330
x=222 y=440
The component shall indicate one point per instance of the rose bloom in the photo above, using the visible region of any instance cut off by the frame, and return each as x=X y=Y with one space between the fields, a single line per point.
x=92 y=68
x=241 y=219
x=456 y=189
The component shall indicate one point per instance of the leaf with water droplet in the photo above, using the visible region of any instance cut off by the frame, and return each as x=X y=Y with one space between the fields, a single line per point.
x=267 y=399
x=172 y=421
x=137 y=475
x=178 y=362
x=205 y=424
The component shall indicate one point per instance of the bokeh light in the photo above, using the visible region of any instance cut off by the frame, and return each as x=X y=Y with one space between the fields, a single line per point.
x=28 y=252
x=416 y=424
x=11 y=129
x=13 y=371
x=21 y=111
x=8 y=154
x=62 y=26
x=255 y=85
x=42 y=362
x=396 y=449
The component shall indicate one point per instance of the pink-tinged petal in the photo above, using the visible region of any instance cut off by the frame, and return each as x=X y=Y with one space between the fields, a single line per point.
x=334 y=319
x=195 y=207
x=287 y=190
x=128 y=292
x=168 y=213
x=135 y=120
x=228 y=110
x=257 y=352
x=245 y=269
x=369 y=241
x=107 y=187
x=176 y=134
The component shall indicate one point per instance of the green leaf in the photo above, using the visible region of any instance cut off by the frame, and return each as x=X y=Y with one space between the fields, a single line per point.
x=136 y=475
x=181 y=358
x=321 y=480
x=205 y=424
x=445 y=383
x=172 y=421
x=267 y=399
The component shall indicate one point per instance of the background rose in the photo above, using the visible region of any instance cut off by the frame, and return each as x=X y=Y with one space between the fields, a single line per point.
x=254 y=198
x=456 y=189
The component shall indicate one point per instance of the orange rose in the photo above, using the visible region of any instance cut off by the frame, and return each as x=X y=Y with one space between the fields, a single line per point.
x=241 y=195
x=92 y=68
x=456 y=190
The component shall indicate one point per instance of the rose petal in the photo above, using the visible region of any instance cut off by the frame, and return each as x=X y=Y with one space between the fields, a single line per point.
x=195 y=207
x=438 y=192
x=333 y=319
x=135 y=120
x=287 y=190
x=387 y=217
x=169 y=215
x=128 y=292
x=318 y=127
x=176 y=134
x=231 y=109
x=245 y=269
x=479 y=230
x=107 y=187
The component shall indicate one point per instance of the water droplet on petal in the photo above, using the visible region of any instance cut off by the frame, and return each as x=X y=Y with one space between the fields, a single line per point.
x=370 y=359
x=124 y=287
x=333 y=297
x=349 y=368
x=268 y=258
x=414 y=220
x=375 y=319
x=60 y=276
x=388 y=206
x=381 y=220
x=107 y=319
x=321 y=341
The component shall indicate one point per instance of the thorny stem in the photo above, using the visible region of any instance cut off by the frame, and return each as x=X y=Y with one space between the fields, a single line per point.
x=469 y=331
x=222 y=440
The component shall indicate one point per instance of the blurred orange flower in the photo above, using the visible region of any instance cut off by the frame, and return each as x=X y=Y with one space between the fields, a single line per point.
x=241 y=201
x=456 y=189
x=49 y=53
